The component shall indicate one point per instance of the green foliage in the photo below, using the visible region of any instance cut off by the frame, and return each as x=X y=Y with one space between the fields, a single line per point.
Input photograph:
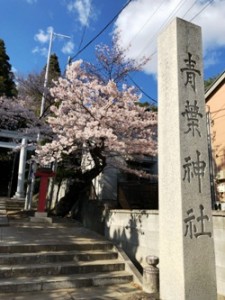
x=208 y=82
x=149 y=107
x=7 y=84
x=54 y=68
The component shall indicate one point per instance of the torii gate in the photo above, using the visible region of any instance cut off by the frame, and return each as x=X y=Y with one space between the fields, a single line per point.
x=20 y=194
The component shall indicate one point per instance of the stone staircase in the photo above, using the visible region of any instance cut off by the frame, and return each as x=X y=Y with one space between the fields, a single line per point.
x=36 y=259
x=3 y=216
x=14 y=204
x=48 y=267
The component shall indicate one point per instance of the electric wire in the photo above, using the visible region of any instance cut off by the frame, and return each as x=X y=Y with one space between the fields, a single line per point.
x=147 y=21
x=207 y=4
x=82 y=37
x=178 y=6
x=216 y=111
x=149 y=97
x=176 y=9
x=101 y=31
x=218 y=117
x=193 y=4
x=84 y=29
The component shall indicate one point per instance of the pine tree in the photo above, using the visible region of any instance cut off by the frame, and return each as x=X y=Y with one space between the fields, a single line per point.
x=7 y=84
x=54 y=71
x=54 y=68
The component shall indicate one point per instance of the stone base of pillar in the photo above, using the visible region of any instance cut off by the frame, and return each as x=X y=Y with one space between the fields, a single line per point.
x=41 y=217
x=18 y=196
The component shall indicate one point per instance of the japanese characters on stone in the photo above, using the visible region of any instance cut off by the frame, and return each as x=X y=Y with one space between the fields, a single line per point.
x=190 y=71
x=193 y=116
x=195 y=225
x=194 y=167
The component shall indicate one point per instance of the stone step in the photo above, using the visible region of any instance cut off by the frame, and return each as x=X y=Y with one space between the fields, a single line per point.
x=40 y=258
x=125 y=291
x=79 y=246
x=56 y=223
x=3 y=220
x=54 y=257
x=3 y=217
x=14 y=204
x=61 y=268
x=27 y=284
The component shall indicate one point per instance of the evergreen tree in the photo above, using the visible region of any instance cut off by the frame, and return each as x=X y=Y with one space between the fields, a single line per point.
x=7 y=84
x=208 y=82
x=54 y=68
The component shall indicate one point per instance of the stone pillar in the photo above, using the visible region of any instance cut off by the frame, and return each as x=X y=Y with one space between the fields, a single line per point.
x=151 y=276
x=21 y=172
x=187 y=260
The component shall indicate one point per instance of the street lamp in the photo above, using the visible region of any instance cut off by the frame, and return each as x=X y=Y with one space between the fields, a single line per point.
x=52 y=34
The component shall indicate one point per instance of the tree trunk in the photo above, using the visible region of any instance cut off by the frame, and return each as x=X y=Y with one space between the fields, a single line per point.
x=82 y=181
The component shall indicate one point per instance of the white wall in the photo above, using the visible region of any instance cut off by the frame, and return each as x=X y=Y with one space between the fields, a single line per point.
x=137 y=231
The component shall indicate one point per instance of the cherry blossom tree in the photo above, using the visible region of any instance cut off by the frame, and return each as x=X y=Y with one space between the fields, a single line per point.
x=16 y=114
x=97 y=120
x=32 y=86
x=111 y=63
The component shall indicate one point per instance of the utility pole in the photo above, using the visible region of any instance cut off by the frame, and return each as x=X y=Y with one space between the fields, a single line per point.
x=52 y=34
x=29 y=194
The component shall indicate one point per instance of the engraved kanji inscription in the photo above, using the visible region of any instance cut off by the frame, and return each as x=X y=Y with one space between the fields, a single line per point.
x=192 y=115
x=190 y=71
x=195 y=226
x=194 y=169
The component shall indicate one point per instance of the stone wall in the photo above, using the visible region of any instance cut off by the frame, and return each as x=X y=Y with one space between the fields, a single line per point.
x=137 y=231
x=219 y=236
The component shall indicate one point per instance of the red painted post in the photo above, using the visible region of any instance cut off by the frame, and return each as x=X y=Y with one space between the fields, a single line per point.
x=45 y=175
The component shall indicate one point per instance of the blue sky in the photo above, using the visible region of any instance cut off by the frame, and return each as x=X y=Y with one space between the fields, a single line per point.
x=25 y=27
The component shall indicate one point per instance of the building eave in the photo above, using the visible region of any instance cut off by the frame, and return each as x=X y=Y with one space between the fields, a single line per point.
x=215 y=86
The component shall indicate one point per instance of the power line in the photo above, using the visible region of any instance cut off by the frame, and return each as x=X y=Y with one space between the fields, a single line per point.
x=149 y=19
x=190 y=8
x=82 y=37
x=218 y=117
x=149 y=97
x=84 y=30
x=101 y=31
x=216 y=111
x=207 y=4
x=178 y=6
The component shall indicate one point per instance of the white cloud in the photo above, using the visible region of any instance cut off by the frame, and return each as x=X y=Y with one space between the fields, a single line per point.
x=211 y=58
x=68 y=48
x=31 y=1
x=43 y=36
x=83 y=9
x=40 y=50
x=146 y=20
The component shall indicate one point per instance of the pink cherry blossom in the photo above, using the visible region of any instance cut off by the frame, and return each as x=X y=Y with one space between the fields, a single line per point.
x=89 y=114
